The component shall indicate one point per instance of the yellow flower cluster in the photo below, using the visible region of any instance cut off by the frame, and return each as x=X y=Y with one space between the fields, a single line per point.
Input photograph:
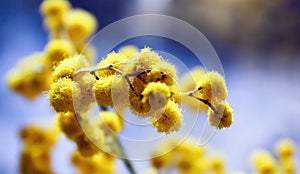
x=146 y=80
x=35 y=156
x=187 y=157
x=99 y=163
x=210 y=90
x=264 y=162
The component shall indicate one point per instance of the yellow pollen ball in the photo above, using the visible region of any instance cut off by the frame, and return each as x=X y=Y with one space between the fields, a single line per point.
x=61 y=95
x=213 y=87
x=102 y=89
x=156 y=94
x=128 y=51
x=57 y=50
x=67 y=67
x=30 y=77
x=168 y=120
x=111 y=122
x=79 y=24
x=223 y=118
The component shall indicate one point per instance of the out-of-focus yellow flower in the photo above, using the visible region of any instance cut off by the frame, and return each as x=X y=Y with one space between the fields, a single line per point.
x=79 y=25
x=61 y=95
x=213 y=87
x=70 y=127
x=112 y=123
x=285 y=148
x=53 y=12
x=30 y=77
x=185 y=156
x=169 y=120
x=264 y=163
x=99 y=163
x=221 y=117
x=35 y=157
x=217 y=165
x=57 y=50
x=129 y=51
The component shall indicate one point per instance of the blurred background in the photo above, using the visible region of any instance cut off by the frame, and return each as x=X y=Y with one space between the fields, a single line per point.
x=258 y=42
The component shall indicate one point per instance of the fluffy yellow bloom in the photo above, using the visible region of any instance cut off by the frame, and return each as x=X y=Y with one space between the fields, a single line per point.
x=111 y=122
x=35 y=156
x=68 y=66
x=111 y=59
x=217 y=165
x=156 y=94
x=61 y=95
x=264 y=163
x=53 y=12
x=30 y=77
x=79 y=25
x=87 y=50
x=185 y=156
x=222 y=118
x=213 y=87
x=129 y=51
x=142 y=61
x=285 y=149
x=188 y=83
x=99 y=163
x=57 y=50
x=102 y=89
x=162 y=72
x=69 y=125
x=168 y=120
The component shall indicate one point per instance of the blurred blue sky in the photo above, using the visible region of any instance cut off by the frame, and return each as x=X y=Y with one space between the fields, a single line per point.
x=263 y=84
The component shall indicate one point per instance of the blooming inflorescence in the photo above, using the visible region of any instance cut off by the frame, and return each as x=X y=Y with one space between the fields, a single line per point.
x=139 y=80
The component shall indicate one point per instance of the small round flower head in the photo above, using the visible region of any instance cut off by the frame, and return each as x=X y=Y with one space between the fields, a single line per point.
x=79 y=24
x=87 y=50
x=188 y=83
x=53 y=11
x=68 y=66
x=160 y=159
x=35 y=157
x=213 y=87
x=36 y=136
x=111 y=59
x=137 y=106
x=54 y=8
x=112 y=123
x=85 y=146
x=142 y=61
x=99 y=163
x=61 y=95
x=169 y=120
x=285 y=149
x=30 y=77
x=221 y=117
x=156 y=94
x=69 y=125
x=162 y=72
x=128 y=51
x=264 y=163
x=102 y=89
x=217 y=165
x=57 y=50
